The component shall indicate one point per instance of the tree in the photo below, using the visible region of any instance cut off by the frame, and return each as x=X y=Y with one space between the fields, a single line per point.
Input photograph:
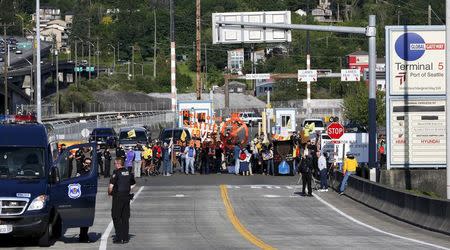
x=356 y=106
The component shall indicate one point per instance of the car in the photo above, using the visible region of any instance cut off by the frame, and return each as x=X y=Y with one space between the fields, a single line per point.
x=250 y=118
x=131 y=136
x=18 y=52
x=105 y=137
x=319 y=125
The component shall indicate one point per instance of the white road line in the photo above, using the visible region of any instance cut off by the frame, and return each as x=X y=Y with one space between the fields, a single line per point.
x=179 y=195
x=289 y=187
x=105 y=235
x=271 y=196
x=376 y=229
x=257 y=187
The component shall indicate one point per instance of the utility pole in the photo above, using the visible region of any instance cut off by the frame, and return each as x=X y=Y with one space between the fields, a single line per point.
x=173 y=71
x=308 y=67
x=429 y=14
x=98 y=60
x=154 y=47
x=198 y=47
x=57 y=82
x=206 y=67
x=33 y=92
x=132 y=61
x=89 y=41
x=76 y=64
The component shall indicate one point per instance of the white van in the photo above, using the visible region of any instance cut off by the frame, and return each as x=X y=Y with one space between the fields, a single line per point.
x=318 y=123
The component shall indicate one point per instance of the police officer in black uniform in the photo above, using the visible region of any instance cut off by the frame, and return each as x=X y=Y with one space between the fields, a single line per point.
x=120 y=185
x=108 y=158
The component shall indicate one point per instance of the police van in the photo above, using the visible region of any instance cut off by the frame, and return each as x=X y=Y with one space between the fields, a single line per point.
x=41 y=192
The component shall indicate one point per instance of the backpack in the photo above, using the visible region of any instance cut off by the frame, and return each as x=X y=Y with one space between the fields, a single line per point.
x=191 y=152
x=242 y=156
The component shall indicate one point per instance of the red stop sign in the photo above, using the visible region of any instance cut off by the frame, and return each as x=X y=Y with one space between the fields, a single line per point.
x=335 y=130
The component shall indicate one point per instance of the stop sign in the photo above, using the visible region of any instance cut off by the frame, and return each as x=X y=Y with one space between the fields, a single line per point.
x=335 y=130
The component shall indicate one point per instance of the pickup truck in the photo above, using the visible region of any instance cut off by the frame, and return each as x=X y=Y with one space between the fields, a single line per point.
x=40 y=190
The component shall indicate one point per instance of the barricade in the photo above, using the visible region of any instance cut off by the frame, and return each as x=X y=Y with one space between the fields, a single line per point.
x=429 y=213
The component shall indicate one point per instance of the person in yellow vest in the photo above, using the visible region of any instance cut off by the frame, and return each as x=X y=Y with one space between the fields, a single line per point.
x=349 y=168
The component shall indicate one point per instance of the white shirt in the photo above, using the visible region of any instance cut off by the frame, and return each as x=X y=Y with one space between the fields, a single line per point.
x=322 y=162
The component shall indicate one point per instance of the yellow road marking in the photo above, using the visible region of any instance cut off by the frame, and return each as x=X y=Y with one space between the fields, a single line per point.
x=237 y=224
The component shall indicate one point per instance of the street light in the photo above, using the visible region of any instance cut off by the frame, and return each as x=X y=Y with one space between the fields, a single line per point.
x=31 y=79
x=89 y=61
x=114 y=56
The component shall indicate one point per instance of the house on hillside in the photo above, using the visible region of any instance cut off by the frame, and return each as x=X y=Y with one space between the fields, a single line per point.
x=237 y=87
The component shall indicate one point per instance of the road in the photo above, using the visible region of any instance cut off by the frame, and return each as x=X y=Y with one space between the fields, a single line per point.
x=237 y=212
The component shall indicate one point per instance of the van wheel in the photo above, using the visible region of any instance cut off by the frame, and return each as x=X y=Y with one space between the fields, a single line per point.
x=44 y=240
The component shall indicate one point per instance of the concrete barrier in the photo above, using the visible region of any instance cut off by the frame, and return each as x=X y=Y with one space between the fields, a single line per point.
x=429 y=213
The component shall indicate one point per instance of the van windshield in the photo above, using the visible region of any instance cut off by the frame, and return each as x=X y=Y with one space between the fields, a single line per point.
x=167 y=134
x=137 y=136
x=21 y=163
x=317 y=124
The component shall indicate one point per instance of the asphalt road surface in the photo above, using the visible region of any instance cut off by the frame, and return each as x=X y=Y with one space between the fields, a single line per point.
x=243 y=212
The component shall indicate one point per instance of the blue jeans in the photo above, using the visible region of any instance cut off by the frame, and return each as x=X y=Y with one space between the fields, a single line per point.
x=189 y=165
x=344 y=181
x=237 y=163
x=323 y=179
x=270 y=167
x=167 y=167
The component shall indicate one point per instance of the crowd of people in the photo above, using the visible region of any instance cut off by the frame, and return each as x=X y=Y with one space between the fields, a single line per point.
x=216 y=157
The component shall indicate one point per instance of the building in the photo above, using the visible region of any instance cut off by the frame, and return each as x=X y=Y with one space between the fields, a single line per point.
x=358 y=60
x=54 y=27
x=323 y=12
x=237 y=87
x=236 y=61
x=263 y=86
x=47 y=14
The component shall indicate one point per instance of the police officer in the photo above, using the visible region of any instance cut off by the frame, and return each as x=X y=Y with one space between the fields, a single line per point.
x=107 y=156
x=120 y=185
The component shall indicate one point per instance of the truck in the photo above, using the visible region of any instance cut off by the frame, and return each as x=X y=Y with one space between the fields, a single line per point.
x=40 y=190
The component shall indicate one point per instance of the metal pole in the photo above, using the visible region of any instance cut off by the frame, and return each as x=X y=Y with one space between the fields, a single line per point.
x=38 y=65
x=33 y=92
x=57 y=82
x=132 y=60
x=89 y=62
x=447 y=37
x=173 y=58
x=154 y=47
x=371 y=33
x=76 y=64
x=98 y=60
x=5 y=71
x=198 y=48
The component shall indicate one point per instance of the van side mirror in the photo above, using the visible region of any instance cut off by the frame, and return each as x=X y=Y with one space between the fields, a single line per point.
x=54 y=175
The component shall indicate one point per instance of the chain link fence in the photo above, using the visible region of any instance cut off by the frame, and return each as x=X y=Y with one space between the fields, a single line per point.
x=80 y=129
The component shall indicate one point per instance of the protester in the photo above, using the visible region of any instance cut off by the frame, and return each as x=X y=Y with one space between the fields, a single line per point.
x=190 y=154
x=108 y=158
x=166 y=160
x=236 y=152
x=244 y=158
x=129 y=157
x=349 y=168
x=137 y=161
x=218 y=157
x=322 y=165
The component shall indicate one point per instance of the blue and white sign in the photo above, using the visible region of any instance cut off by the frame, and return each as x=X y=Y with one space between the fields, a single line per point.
x=74 y=191
x=416 y=60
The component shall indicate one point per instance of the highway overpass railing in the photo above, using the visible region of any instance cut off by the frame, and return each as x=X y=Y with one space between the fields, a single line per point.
x=426 y=212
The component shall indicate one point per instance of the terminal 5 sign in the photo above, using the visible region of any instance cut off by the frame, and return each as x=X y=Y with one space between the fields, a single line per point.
x=417 y=62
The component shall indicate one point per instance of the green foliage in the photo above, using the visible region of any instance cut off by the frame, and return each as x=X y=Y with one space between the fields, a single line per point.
x=356 y=105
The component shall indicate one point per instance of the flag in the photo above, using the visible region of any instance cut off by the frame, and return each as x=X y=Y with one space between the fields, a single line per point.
x=183 y=136
x=131 y=133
